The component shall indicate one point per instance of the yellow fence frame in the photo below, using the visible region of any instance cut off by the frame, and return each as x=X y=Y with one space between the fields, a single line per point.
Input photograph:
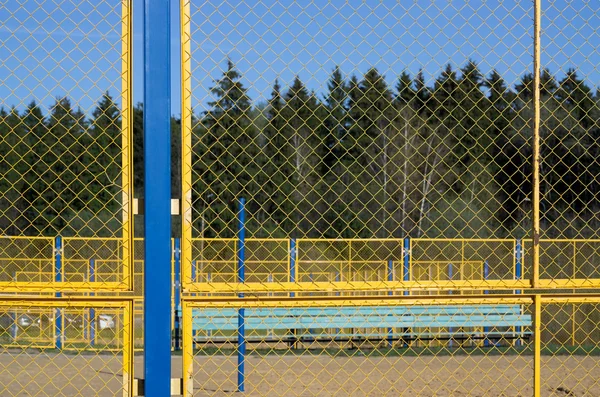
x=127 y=141
x=536 y=300
x=125 y=304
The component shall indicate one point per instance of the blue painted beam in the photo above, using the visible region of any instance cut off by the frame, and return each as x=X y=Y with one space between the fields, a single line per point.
x=92 y=313
x=292 y=263
x=177 y=291
x=58 y=278
x=241 y=257
x=157 y=198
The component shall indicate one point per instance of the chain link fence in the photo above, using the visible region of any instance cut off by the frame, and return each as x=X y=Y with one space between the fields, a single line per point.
x=66 y=143
x=386 y=150
x=66 y=198
x=386 y=120
x=410 y=171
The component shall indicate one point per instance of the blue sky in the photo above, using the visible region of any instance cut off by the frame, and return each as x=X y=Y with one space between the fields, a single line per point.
x=50 y=51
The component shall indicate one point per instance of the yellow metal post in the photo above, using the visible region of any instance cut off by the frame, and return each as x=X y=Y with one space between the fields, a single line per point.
x=128 y=350
x=127 y=144
x=536 y=147
x=188 y=349
x=186 y=147
x=537 y=345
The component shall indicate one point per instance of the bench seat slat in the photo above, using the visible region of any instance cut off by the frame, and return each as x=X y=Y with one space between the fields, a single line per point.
x=266 y=323
x=366 y=310
x=366 y=335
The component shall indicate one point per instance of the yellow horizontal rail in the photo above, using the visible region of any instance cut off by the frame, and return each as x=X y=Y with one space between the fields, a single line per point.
x=66 y=286
x=343 y=240
x=71 y=302
x=458 y=240
x=405 y=300
x=356 y=286
x=445 y=261
x=357 y=301
x=560 y=283
x=343 y=261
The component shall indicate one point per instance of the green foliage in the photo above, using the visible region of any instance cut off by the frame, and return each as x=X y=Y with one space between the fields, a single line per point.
x=225 y=170
x=364 y=160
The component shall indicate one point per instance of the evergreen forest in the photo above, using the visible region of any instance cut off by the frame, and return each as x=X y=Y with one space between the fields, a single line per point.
x=362 y=159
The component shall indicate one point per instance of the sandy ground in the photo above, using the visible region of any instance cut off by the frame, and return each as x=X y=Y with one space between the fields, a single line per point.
x=53 y=374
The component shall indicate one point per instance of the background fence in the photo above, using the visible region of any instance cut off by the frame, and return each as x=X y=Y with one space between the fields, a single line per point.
x=66 y=198
x=420 y=185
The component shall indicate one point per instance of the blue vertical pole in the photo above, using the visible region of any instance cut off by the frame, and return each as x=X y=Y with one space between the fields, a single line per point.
x=486 y=330
x=177 y=291
x=450 y=330
x=14 y=329
x=157 y=198
x=292 y=263
x=390 y=277
x=406 y=271
x=92 y=313
x=241 y=257
x=58 y=279
x=194 y=272
x=337 y=293
x=406 y=261
x=486 y=271
x=518 y=274
x=518 y=262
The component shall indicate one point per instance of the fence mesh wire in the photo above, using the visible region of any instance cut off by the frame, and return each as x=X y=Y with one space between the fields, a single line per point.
x=66 y=195
x=383 y=149
x=361 y=348
x=387 y=148
x=385 y=120
x=66 y=137
x=46 y=348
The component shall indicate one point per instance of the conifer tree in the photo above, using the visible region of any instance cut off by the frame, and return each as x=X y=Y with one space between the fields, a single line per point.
x=226 y=166
x=336 y=100
x=276 y=170
x=304 y=121
x=104 y=159
x=422 y=95
x=375 y=114
x=404 y=89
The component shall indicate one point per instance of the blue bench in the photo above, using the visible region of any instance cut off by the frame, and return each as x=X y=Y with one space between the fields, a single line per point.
x=362 y=323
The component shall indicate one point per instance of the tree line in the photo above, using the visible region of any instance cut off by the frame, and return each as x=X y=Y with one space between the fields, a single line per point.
x=369 y=160
x=362 y=159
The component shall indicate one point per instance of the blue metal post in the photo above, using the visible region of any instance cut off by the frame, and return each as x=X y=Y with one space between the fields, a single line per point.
x=14 y=329
x=241 y=257
x=92 y=313
x=486 y=330
x=406 y=261
x=450 y=330
x=406 y=271
x=157 y=198
x=292 y=263
x=518 y=262
x=58 y=278
x=486 y=271
x=518 y=274
x=194 y=273
x=390 y=277
x=177 y=291
x=337 y=293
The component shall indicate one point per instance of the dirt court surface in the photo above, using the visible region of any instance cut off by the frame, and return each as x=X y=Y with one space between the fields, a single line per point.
x=56 y=374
